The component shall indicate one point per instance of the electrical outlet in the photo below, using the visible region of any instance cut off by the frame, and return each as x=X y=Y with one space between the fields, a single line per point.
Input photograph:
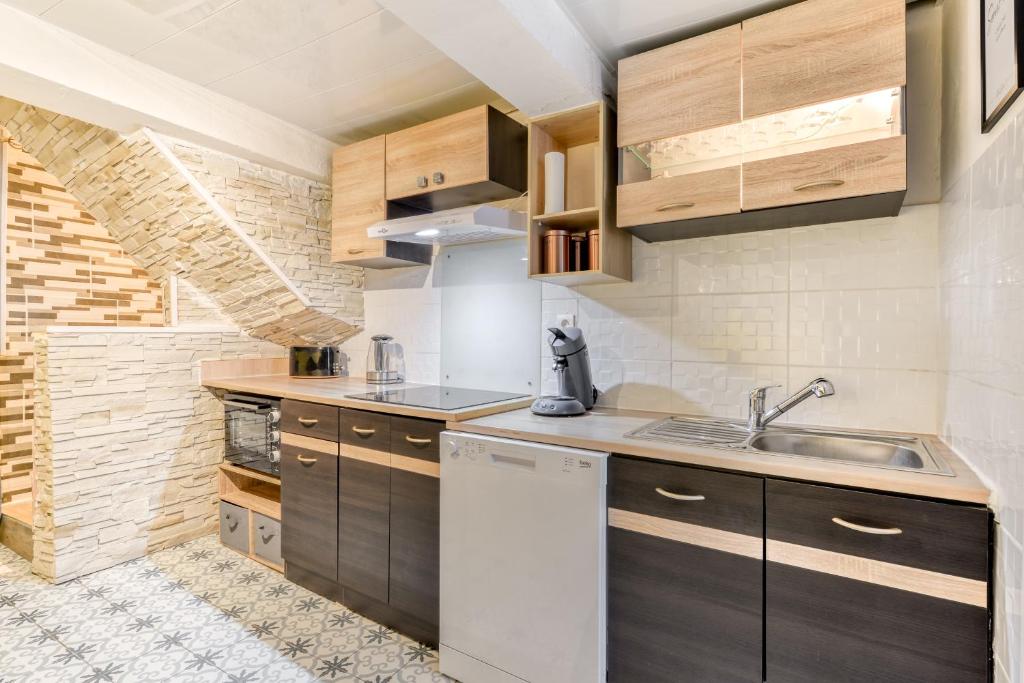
x=566 y=320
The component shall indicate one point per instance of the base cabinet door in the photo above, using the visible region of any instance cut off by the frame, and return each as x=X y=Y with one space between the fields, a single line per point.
x=415 y=536
x=363 y=502
x=680 y=612
x=309 y=507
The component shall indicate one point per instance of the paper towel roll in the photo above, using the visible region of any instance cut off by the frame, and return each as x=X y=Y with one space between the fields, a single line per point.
x=554 y=182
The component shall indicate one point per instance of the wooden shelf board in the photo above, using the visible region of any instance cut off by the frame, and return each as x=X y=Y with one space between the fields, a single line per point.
x=257 y=499
x=573 y=219
x=578 y=277
x=235 y=470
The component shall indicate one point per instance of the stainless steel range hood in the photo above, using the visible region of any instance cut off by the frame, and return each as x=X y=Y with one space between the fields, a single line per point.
x=480 y=223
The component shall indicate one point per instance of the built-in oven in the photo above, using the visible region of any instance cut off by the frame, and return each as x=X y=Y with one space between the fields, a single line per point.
x=252 y=432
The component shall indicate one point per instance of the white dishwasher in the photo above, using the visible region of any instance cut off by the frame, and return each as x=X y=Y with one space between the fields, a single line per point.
x=523 y=561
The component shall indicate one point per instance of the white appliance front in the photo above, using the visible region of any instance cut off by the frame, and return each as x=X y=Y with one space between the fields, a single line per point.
x=523 y=561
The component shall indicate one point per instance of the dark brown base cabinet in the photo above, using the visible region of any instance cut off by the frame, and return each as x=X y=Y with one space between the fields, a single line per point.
x=309 y=509
x=853 y=587
x=363 y=526
x=415 y=544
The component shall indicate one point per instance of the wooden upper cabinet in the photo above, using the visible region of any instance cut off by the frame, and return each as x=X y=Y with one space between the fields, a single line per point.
x=472 y=157
x=688 y=86
x=822 y=50
x=357 y=179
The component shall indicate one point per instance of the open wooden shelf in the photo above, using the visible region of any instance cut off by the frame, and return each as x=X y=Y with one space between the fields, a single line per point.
x=586 y=135
x=258 y=493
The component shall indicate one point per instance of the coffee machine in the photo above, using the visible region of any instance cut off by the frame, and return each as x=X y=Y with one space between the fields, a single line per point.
x=576 y=391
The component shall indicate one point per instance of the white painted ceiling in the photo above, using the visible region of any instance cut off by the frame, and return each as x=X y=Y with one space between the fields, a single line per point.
x=345 y=69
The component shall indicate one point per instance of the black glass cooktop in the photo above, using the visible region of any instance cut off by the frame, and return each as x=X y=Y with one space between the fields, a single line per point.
x=438 y=398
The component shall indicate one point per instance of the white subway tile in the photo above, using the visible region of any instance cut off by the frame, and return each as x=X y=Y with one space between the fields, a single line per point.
x=628 y=329
x=633 y=384
x=730 y=328
x=748 y=262
x=652 y=274
x=721 y=390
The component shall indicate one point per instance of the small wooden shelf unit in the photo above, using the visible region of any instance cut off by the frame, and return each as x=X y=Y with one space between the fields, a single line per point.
x=586 y=135
x=256 y=492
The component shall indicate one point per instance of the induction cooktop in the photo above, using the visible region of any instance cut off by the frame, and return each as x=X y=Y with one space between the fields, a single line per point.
x=437 y=398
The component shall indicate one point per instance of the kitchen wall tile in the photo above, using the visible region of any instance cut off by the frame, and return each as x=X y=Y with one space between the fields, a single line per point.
x=721 y=390
x=730 y=328
x=955 y=231
x=628 y=329
x=1009 y=605
x=898 y=400
x=889 y=328
x=652 y=274
x=871 y=254
x=750 y=262
x=633 y=384
x=550 y=291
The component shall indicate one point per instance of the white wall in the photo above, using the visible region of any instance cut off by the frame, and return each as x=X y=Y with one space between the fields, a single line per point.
x=982 y=276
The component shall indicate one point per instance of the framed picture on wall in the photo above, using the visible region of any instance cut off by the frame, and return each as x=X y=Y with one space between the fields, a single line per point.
x=1001 y=48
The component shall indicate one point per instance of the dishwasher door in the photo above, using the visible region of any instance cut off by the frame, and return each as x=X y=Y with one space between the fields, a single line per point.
x=523 y=561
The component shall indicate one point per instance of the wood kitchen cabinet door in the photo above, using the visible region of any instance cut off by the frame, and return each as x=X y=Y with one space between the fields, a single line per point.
x=357 y=180
x=680 y=88
x=685 y=574
x=872 y=587
x=694 y=195
x=364 y=490
x=415 y=544
x=309 y=505
x=821 y=50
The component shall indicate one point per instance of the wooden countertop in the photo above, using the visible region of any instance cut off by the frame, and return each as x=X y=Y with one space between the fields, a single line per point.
x=603 y=429
x=333 y=391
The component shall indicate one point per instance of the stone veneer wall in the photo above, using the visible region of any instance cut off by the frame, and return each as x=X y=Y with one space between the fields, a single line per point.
x=63 y=268
x=126 y=442
x=165 y=218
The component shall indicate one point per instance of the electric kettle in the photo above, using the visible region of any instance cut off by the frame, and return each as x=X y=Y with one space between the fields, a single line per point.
x=385 y=361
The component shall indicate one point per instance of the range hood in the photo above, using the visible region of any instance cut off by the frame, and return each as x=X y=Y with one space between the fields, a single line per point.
x=480 y=223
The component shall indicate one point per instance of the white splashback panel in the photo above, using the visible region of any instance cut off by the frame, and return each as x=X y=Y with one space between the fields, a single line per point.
x=490 y=317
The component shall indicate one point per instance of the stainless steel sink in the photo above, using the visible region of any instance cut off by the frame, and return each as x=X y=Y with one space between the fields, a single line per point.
x=893 y=451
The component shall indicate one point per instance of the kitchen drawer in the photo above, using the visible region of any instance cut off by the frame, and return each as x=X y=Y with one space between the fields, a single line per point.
x=309 y=504
x=416 y=438
x=688 y=86
x=309 y=419
x=267 y=538
x=938 y=537
x=866 y=168
x=696 y=195
x=822 y=50
x=234 y=527
x=365 y=429
x=729 y=502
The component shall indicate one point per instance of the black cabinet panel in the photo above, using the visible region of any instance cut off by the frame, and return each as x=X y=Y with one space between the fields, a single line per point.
x=822 y=627
x=363 y=502
x=939 y=537
x=309 y=510
x=679 y=612
x=415 y=537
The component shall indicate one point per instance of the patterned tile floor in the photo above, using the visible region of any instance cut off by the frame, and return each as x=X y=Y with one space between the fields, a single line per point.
x=196 y=612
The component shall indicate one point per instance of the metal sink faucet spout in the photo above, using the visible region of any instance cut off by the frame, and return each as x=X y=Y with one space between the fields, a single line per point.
x=759 y=417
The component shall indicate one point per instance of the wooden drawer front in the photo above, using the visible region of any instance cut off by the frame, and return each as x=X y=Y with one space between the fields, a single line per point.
x=357 y=180
x=731 y=502
x=865 y=168
x=415 y=544
x=688 y=86
x=365 y=429
x=710 y=193
x=416 y=438
x=937 y=537
x=309 y=504
x=821 y=627
x=309 y=419
x=678 y=612
x=455 y=145
x=363 y=504
x=822 y=50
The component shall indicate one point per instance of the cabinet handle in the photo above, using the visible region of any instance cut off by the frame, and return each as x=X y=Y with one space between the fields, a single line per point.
x=814 y=184
x=416 y=441
x=676 y=205
x=867 y=529
x=356 y=251
x=308 y=421
x=421 y=181
x=676 y=496
x=363 y=431
x=305 y=459
x=438 y=178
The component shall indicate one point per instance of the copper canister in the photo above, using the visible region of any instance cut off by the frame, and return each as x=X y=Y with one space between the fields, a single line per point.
x=578 y=252
x=594 y=249
x=556 y=251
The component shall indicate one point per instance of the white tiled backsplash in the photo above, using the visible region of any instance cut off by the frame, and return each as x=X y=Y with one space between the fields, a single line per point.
x=705 y=320
x=982 y=357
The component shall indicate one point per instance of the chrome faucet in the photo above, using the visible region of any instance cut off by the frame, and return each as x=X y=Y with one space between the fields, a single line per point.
x=759 y=418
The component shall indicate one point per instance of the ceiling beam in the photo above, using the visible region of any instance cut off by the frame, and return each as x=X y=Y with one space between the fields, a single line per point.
x=528 y=51
x=55 y=69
